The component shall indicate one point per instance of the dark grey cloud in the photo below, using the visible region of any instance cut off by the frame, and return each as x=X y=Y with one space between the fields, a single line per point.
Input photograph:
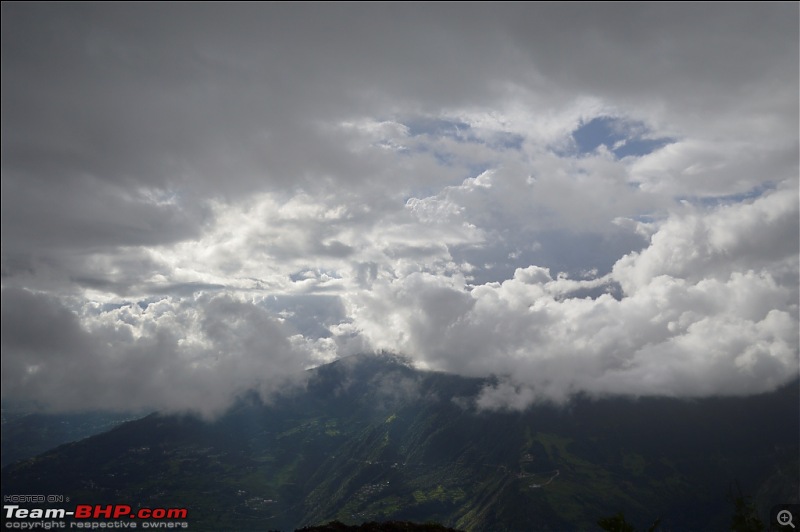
x=313 y=180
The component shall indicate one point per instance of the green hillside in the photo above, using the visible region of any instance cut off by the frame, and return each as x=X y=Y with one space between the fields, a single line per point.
x=371 y=439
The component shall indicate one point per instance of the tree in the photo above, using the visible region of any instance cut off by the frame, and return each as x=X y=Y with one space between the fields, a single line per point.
x=745 y=518
x=617 y=523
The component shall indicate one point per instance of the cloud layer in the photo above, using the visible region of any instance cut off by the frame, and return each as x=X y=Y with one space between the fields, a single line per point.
x=197 y=201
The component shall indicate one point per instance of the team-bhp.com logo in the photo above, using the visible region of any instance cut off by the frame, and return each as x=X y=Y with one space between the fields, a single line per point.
x=94 y=516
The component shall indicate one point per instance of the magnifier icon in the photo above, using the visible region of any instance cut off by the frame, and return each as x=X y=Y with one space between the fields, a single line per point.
x=785 y=518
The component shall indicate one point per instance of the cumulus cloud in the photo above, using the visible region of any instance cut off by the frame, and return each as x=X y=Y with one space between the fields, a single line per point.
x=191 y=354
x=751 y=236
x=199 y=201
x=706 y=308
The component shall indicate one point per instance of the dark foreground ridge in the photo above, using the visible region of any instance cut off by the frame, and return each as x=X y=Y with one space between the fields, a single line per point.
x=371 y=439
x=374 y=526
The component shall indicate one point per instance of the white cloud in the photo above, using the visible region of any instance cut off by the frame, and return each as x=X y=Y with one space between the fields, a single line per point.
x=685 y=325
x=192 y=354
x=732 y=238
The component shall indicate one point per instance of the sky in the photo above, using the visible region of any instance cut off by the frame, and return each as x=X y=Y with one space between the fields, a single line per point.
x=202 y=199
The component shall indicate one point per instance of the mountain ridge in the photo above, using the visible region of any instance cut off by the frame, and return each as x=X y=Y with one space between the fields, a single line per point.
x=371 y=438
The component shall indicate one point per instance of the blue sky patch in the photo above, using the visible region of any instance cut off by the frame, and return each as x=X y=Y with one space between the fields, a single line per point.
x=437 y=127
x=620 y=137
x=463 y=132
x=713 y=201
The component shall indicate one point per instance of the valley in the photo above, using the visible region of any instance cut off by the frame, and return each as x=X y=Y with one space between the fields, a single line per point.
x=364 y=452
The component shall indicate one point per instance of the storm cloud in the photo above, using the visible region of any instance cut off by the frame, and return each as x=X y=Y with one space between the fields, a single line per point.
x=198 y=200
